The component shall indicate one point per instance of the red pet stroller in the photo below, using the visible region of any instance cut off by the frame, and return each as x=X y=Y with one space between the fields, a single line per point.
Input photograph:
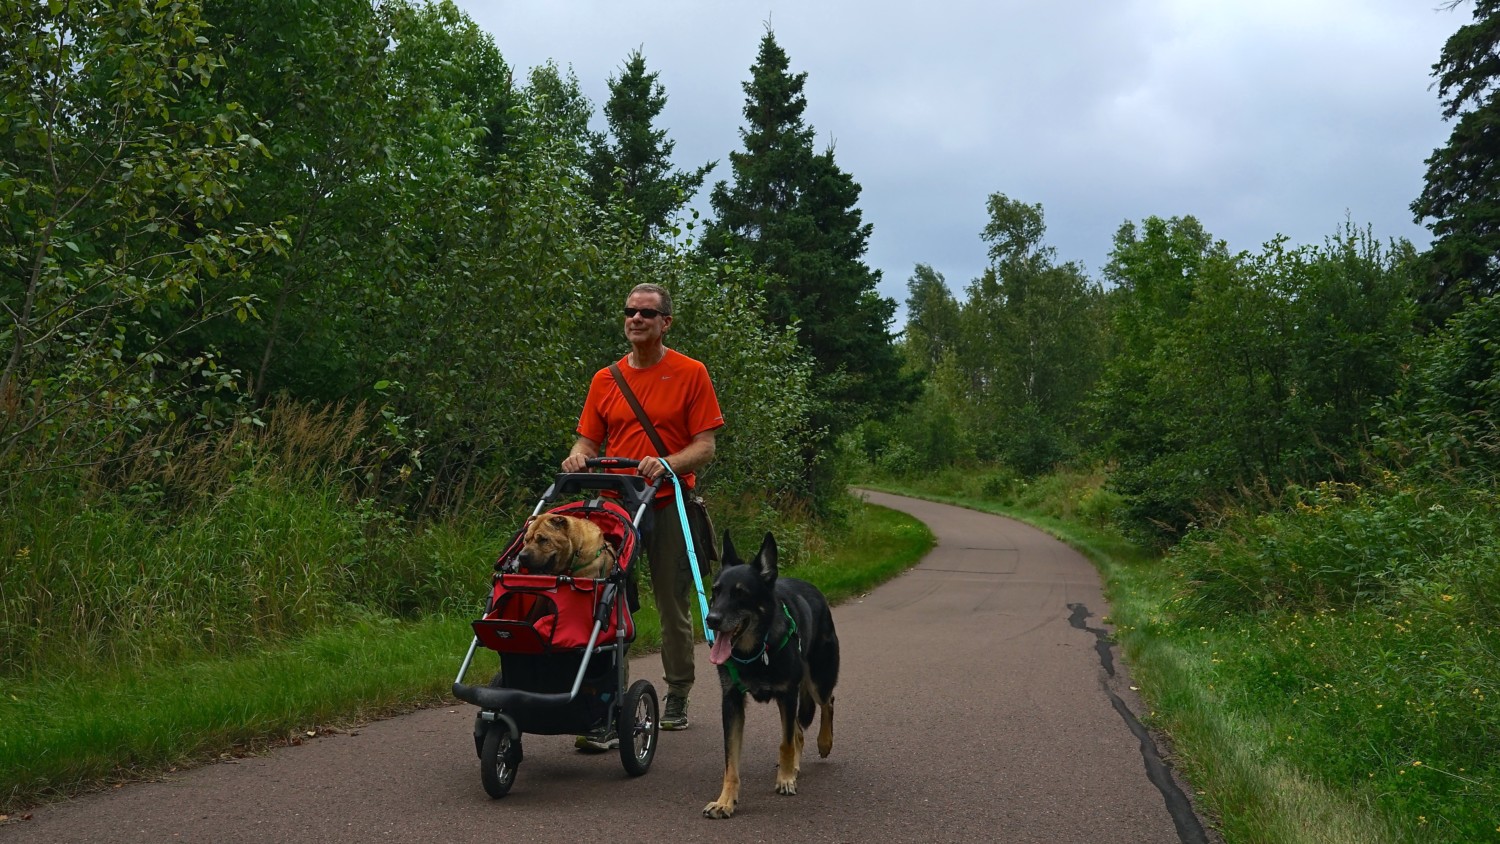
x=562 y=641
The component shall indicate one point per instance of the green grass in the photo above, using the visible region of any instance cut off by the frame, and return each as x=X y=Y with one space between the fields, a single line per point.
x=880 y=544
x=69 y=733
x=1326 y=673
x=1358 y=626
x=66 y=731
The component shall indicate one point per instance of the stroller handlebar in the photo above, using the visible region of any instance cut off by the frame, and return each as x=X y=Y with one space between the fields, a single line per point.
x=634 y=490
x=611 y=463
x=624 y=463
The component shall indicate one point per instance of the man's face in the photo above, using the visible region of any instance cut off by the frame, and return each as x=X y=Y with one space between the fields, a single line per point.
x=639 y=329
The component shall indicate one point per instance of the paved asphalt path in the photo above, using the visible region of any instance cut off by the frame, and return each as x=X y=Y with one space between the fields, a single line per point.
x=979 y=700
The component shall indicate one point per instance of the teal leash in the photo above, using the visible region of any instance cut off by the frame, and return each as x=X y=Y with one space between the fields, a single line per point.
x=687 y=536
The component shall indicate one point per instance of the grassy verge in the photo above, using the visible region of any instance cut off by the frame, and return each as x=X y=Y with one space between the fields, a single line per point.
x=64 y=733
x=68 y=733
x=1297 y=715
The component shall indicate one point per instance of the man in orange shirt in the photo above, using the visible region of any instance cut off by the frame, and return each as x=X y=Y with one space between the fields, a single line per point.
x=678 y=397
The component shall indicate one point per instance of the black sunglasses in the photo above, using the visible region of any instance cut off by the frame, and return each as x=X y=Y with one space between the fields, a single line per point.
x=648 y=313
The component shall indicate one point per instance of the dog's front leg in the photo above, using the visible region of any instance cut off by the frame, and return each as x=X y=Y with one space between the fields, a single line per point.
x=734 y=737
x=789 y=763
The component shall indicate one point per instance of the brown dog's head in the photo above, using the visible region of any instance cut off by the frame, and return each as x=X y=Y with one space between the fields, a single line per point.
x=557 y=544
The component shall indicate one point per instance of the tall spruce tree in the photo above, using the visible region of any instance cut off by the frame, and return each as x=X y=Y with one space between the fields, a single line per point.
x=633 y=160
x=1462 y=195
x=792 y=211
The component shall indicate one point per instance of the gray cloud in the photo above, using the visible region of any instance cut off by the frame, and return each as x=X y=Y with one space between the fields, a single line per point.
x=1260 y=118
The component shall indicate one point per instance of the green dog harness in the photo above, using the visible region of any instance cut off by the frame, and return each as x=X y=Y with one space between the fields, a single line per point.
x=585 y=564
x=764 y=656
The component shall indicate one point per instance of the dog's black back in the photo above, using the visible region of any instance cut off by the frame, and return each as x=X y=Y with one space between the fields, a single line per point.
x=774 y=640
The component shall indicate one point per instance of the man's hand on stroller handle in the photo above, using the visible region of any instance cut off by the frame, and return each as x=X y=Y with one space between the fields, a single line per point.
x=585 y=456
x=583 y=451
x=649 y=467
x=611 y=463
x=585 y=463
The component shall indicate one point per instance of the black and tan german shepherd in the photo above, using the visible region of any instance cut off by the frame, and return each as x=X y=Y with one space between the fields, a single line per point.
x=774 y=640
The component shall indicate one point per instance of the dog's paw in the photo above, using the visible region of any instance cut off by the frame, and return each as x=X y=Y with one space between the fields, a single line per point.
x=786 y=785
x=718 y=810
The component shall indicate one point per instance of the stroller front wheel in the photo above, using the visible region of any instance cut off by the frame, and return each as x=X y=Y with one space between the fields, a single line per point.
x=499 y=757
x=639 y=726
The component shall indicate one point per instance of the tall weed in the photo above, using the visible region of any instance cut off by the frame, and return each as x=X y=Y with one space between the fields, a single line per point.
x=1340 y=546
x=212 y=544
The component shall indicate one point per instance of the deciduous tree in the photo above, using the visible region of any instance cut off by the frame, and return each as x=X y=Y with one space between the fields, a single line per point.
x=1031 y=339
x=932 y=319
x=1245 y=371
x=121 y=175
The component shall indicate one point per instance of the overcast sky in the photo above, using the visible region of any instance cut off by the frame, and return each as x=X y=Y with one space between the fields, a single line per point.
x=1258 y=117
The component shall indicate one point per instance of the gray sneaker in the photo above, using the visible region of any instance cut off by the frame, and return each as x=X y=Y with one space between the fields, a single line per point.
x=675 y=716
x=597 y=740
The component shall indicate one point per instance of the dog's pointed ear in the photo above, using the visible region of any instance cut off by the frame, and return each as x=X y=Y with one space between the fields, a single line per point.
x=766 y=559
x=729 y=555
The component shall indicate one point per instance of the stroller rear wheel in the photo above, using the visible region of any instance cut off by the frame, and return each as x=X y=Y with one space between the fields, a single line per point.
x=639 y=725
x=499 y=757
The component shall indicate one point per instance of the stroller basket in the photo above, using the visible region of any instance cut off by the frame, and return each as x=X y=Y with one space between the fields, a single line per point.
x=536 y=614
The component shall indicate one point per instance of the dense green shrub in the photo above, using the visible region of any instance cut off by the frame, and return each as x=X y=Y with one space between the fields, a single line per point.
x=1446 y=417
x=999 y=483
x=1246 y=371
x=1343 y=546
x=1100 y=507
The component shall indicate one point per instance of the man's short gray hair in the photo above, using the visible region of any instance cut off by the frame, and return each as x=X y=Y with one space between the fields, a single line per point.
x=648 y=287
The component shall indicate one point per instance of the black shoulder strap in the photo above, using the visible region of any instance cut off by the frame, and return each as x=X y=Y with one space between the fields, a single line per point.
x=640 y=412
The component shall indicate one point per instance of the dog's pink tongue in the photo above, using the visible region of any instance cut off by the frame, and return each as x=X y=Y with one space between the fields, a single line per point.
x=719 y=652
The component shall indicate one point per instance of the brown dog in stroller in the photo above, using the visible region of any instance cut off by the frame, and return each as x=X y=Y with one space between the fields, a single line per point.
x=556 y=543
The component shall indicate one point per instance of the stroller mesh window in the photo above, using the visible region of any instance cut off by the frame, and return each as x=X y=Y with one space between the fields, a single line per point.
x=529 y=607
x=519 y=622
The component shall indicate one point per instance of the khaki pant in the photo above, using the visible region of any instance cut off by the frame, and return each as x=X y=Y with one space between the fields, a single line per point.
x=672 y=584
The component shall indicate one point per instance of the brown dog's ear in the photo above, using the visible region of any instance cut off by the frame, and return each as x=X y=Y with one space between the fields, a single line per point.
x=559 y=522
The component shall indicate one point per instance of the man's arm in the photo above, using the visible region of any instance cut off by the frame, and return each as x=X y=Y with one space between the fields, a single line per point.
x=582 y=450
x=697 y=455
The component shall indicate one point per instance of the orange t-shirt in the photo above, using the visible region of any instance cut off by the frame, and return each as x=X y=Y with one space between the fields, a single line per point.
x=677 y=396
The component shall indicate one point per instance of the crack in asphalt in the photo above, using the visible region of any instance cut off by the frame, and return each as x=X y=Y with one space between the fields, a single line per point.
x=1189 y=829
